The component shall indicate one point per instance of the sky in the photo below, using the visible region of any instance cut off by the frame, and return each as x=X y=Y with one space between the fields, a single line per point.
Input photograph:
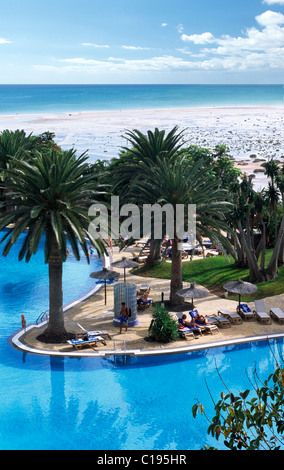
x=141 y=41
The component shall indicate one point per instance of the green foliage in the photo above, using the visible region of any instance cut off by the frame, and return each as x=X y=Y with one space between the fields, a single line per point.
x=250 y=421
x=52 y=194
x=144 y=149
x=163 y=326
x=214 y=272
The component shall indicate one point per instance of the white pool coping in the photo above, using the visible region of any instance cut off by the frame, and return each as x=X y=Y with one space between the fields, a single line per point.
x=106 y=353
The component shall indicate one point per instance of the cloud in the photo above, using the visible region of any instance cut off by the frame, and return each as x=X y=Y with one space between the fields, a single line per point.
x=90 y=44
x=266 y=41
x=259 y=48
x=203 y=38
x=135 y=48
x=270 y=19
x=169 y=63
x=273 y=2
x=164 y=25
x=4 y=41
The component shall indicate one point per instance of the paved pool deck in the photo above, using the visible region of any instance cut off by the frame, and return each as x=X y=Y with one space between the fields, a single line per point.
x=93 y=314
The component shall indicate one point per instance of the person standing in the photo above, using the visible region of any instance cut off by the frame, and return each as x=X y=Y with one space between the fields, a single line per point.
x=123 y=316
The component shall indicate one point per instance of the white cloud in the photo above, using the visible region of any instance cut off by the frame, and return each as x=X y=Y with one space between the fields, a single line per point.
x=258 y=49
x=4 y=41
x=180 y=28
x=90 y=44
x=168 y=63
x=273 y=2
x=203 y=38
x=164 y=25
x=255 y=49
x=135 y=48
x=270 y=19
x=184 y=51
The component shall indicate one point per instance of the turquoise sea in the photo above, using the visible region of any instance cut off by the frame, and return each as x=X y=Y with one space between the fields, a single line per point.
x=27 y=99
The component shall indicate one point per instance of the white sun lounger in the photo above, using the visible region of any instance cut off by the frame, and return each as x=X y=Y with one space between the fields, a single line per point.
x=92 y=342
x=95 y=333
x=277 y=314
x=260 y=312
x=220 y=321
x=233 y=317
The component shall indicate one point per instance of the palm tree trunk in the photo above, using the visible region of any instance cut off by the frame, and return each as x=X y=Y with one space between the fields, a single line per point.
x=272 y=268
x=155 y=252
x=176 y=274
x=281 y=252
x=55 y=330
x=255 y=273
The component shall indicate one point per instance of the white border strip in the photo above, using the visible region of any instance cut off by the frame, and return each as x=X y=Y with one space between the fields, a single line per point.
x=137 y=352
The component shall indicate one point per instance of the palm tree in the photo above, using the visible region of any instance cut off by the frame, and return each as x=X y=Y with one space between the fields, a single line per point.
x=14 y=145
x=249 y=209
x=52 y=193
x=272 y=170
x=144 y=149
x=181 y=182
x=280 y=186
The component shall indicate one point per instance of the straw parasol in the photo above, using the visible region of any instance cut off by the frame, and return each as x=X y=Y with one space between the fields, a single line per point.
x=241 y=288
x=195 y=291
x=105 y=275
x=125 y=263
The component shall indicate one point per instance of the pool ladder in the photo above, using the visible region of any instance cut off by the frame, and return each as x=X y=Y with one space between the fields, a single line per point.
x=40 y=318
x=122 y=358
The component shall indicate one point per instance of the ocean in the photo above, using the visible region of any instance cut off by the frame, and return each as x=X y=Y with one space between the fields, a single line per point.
x=48 y=99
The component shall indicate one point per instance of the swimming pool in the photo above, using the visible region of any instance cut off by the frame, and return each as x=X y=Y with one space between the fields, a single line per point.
x=94 y=403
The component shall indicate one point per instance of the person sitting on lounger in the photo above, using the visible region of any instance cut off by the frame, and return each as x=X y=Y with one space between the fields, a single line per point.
x=198 y=318
x=144 y=299
x=123 y=316
x=186 y=322
x=201 y=319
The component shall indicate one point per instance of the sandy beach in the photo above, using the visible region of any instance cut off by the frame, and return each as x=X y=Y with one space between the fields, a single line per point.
x=253 y=134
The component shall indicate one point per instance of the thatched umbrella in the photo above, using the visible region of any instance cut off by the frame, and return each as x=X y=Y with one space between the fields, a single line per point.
x=241 y=288
x=195 y=291
x=125 y=263
x=105 y=275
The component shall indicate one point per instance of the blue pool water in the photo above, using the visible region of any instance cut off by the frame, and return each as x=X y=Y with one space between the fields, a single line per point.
x=91 y=403
x=71 y=98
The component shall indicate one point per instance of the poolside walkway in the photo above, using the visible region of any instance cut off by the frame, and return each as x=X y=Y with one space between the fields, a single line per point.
x=93 y=314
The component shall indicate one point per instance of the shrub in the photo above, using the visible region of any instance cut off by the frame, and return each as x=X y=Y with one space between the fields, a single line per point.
x=163 y=327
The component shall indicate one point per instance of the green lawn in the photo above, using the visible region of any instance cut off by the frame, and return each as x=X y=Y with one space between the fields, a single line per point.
x=213 y=273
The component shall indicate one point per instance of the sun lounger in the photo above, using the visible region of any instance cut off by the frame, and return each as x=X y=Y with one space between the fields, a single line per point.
x=141 y=304
x=277 y=314
x=95 y=332
x=233 y=317
x=194 y=329
x=92 y=342
x=245 y=312
x=144 y=289
x=210 y=327
x=186 y=333
x=260 y=312
x=221 y=321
